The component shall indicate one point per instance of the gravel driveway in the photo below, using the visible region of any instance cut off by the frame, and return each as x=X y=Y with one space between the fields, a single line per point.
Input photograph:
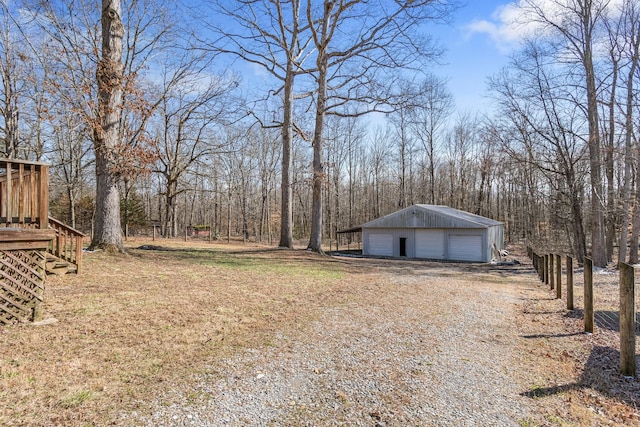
x=424 y=345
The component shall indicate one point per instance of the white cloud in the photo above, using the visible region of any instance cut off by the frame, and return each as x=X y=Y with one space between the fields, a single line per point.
x=507 y=27
x=511 y=23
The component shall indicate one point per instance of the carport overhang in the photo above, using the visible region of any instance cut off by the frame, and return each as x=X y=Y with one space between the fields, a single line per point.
x=350 y=230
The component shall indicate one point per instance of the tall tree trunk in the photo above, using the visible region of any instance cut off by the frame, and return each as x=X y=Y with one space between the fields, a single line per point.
x=628 y=159
x=635 y=223
x=612 y=213
x=579 y=238
x=315 y=240
x=10 y=107
x=71 y=194
x=598 y=244
x=626 y=188
x=107 y=229
x=432 y=171
x=402 y=193
x=286 y=219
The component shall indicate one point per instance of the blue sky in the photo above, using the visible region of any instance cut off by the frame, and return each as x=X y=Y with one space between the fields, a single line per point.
x=478 y=45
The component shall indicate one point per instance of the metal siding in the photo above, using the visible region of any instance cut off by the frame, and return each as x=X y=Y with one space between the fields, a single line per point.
x=380 y=244
x=408 y=234
x=494 y=235
x=395 y=235
x=430 y=244
x=465 y=247
x=416 y=246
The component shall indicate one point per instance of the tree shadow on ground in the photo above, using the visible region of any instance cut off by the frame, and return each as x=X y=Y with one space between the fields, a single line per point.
x=601 y=373
x=604 y=319
x=571 y=334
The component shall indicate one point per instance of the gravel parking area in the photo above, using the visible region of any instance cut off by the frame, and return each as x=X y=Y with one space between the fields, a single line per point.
x=418 y=345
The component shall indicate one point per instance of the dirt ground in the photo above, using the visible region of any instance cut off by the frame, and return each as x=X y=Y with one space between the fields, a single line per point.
x=129 y=327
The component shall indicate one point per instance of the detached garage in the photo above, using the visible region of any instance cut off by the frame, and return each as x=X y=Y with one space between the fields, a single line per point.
x=433 y=232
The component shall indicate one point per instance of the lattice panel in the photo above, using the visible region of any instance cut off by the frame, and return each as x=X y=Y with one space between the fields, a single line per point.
x=22 y=276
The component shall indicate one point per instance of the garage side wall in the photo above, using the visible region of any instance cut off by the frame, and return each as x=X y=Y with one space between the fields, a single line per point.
x=387 y=242
x=495 y=234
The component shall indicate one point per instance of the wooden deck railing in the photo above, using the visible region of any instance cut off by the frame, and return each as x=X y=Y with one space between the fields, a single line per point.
x=24 y=194
x=24 y=203
x=67 y=244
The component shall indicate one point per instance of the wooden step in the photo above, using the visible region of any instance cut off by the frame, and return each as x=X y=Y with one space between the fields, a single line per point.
x=57 y=266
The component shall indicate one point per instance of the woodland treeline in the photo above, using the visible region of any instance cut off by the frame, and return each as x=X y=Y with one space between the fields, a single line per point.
x=291 y=120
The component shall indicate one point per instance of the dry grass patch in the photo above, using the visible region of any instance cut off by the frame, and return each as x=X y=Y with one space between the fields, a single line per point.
x=130 y=324
x=578 y=381
x=132 y=327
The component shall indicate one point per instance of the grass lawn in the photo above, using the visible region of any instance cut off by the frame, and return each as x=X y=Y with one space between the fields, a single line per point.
x=129 y=324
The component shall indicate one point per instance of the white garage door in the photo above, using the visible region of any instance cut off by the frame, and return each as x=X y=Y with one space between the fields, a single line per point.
x=465 y=248
x=430 y=244
x=381 y=244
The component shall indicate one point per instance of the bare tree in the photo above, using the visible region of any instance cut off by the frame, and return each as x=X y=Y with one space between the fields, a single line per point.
x=609 y=134
x=268 y=34
x=461 y=144
x=400 y=120
x=573 y=27
x=114 y=104
x=428 y=119
x=349 y=65
x=542 y=128
x=107 y=232
x=380 y=152
x=268 y=157
x=72 y=156
x=191 y=110
x=13 y=78
x=629 y=25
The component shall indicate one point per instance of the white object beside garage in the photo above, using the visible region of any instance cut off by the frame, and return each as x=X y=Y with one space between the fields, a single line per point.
x=433 y=232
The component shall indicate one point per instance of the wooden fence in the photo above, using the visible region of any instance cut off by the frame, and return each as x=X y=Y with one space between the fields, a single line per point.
x=549 y=269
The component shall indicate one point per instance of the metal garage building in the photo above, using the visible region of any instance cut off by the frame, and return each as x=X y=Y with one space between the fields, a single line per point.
x=433 y=232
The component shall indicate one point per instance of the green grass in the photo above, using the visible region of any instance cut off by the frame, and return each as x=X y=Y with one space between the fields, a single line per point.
x=246 y=262
x=76 y=399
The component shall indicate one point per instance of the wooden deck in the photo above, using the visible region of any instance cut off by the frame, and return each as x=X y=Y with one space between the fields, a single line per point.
x=29 y=240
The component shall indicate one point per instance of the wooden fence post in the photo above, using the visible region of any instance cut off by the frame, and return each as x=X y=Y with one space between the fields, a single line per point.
x=533 y=261
x=588 y=295
x=546 y=269
x=558 y=276
x=569 y=283
x=552 y=261
x=627 y=321
x=537 y=264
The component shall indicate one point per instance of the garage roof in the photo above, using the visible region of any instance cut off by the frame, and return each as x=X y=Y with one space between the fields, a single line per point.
x=431 y=216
